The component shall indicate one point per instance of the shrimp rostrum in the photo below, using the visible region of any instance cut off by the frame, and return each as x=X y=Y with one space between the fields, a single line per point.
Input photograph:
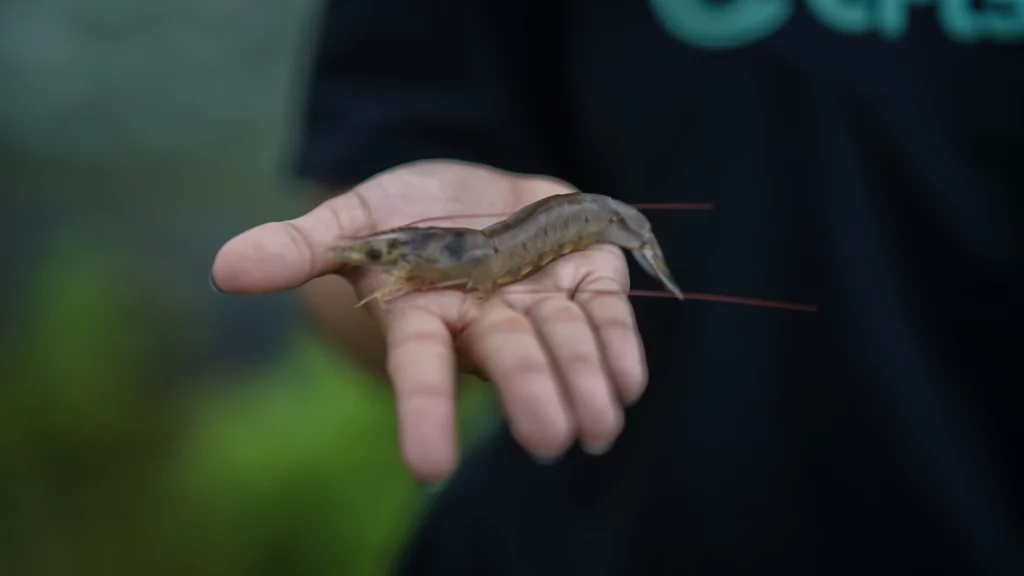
x=507 y=251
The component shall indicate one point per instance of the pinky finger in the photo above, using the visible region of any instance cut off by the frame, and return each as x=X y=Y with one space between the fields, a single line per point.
x=612 y=318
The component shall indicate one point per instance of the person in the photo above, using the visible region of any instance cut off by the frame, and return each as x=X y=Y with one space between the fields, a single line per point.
x=860 y=156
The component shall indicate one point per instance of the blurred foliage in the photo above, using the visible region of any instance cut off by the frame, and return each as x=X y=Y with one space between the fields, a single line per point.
x=298 y=474
x=147 y=425
x=288 y=467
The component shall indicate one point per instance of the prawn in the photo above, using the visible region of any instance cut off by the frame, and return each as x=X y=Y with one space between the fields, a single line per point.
x=513 y=249
x=548 y=229
x=508 y=251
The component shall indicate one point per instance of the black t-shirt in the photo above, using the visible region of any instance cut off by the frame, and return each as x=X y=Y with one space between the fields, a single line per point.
x=864 y=156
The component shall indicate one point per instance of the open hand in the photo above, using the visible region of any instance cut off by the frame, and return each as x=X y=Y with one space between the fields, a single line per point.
x=561 y=347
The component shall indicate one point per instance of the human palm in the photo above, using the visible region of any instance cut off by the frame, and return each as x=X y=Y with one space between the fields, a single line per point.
x=561 y=347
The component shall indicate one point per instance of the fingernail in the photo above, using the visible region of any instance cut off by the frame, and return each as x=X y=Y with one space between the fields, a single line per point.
x=597 y=449
x=545 y=460
x=432 y=488
x=213 y=285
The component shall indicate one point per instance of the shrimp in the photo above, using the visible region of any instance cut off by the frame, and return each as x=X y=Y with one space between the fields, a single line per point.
x=481 y=261
x=508 y=251
x=548 y=229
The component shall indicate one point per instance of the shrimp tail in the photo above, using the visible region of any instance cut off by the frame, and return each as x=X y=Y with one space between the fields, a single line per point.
x=651 y=259
x=632 y=231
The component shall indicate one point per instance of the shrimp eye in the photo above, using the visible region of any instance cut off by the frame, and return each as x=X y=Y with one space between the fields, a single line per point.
x=374 y=254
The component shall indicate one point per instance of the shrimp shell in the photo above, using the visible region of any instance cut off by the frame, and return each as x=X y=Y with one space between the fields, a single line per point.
x=548 y=229
x=507 y=251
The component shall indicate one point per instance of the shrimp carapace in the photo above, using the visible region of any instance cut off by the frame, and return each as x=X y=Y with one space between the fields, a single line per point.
x=415 y=258
x=550 y=228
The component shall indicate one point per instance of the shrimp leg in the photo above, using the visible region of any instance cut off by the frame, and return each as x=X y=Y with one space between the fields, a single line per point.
x=396 y=290
x=396 y=286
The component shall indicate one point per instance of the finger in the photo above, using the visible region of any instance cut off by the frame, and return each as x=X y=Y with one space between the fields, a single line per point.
x=607 y=307
x=329 y=303
x=421 y=366
x=573 y=348
x=285 y=255
x=503 y=344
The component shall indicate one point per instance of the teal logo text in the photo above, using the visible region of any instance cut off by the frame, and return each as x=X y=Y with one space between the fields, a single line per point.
x=735 y=23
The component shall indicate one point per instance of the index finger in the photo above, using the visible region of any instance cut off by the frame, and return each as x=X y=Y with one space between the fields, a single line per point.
x=285 y=255
x=422 y=367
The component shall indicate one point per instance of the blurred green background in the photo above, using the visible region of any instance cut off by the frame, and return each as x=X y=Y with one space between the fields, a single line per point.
x=148 y=425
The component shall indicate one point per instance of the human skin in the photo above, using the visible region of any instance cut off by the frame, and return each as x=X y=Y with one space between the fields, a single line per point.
x=562 y=365
x=330 y=306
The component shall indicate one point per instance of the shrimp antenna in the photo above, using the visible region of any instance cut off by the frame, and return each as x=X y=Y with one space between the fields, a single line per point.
x=757 y=302
x=728 y=300
x=662 y=206
x=676 y=206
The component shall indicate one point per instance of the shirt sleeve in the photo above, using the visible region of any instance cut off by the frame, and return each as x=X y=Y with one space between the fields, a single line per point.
x=393 y=81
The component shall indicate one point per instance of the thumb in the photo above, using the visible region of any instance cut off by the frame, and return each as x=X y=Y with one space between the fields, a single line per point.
x=285 y=255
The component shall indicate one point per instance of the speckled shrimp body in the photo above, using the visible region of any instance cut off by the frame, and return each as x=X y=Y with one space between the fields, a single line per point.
x=546 y=230
x=508 y=251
